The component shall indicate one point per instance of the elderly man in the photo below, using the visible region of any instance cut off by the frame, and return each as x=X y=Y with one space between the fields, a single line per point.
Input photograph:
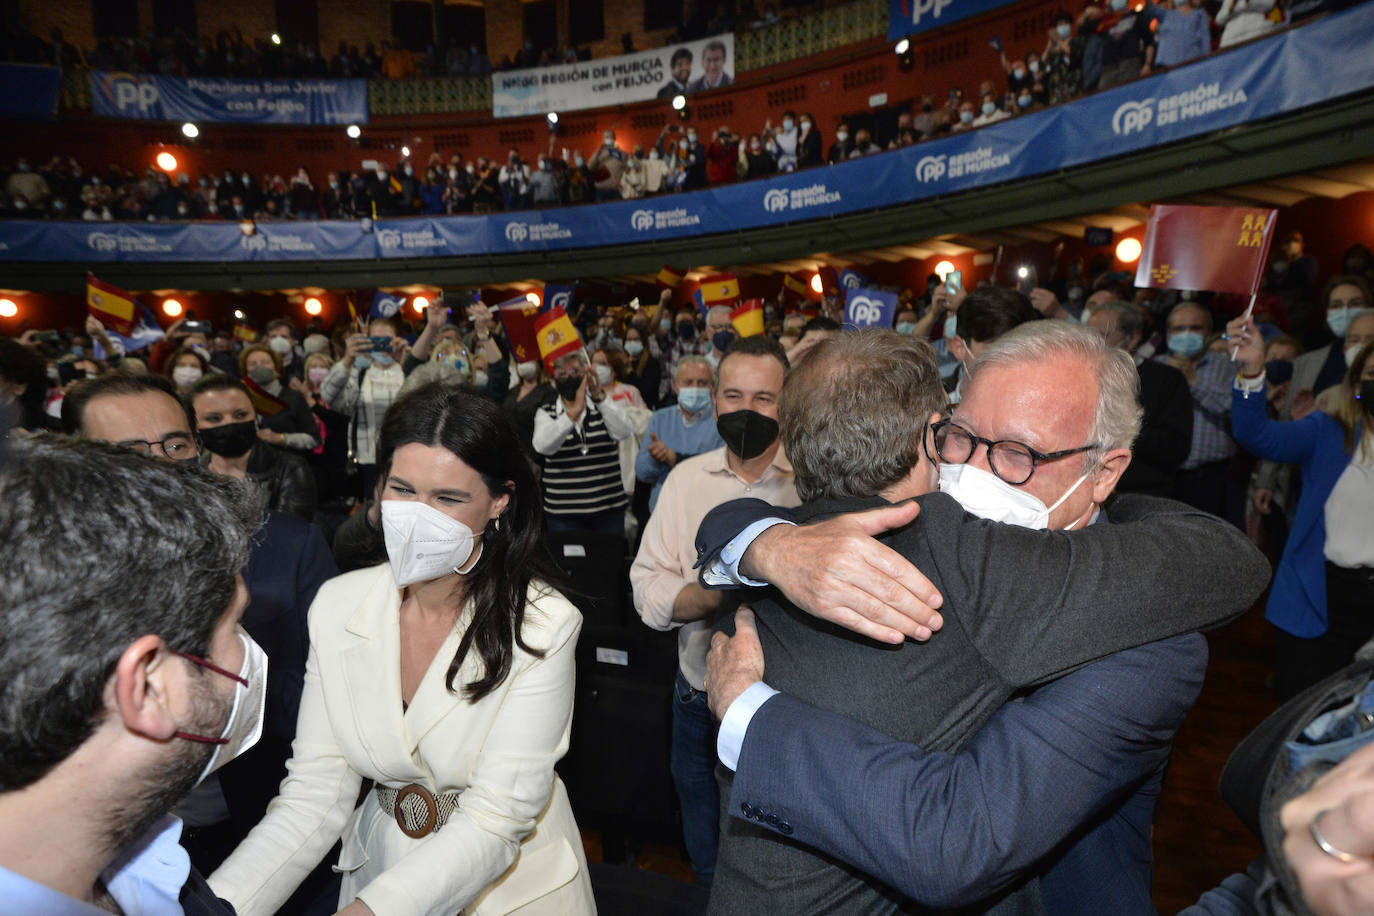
x=1166 y=433
x=127 y=676
x=1056 y=408
x=720 y=331
x=577 y=435
x=681 y=430
x=1206 y=480
x=666 y=593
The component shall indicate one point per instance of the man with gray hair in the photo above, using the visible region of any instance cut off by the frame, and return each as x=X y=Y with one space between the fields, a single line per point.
x=1051 y=801
x=1166 y=432
x=679 y=431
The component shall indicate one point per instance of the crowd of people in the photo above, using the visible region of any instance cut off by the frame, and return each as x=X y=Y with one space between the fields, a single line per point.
x=402 y=479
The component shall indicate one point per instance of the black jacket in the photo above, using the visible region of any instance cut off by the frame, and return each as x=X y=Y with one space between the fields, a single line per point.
x=1166 y=434
x=283 y=479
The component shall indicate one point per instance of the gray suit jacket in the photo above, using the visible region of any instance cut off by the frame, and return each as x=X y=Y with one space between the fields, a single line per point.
x=1021 y=608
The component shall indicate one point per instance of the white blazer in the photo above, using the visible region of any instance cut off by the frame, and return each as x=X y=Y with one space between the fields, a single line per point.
x=511 y=846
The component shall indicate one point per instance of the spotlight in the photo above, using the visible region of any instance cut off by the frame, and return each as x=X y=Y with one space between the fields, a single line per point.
x=553 y=117
x=420 y=303
x=905 y=58
x=942 y=269
x=405 y=151
x=679 y=102
x=816 y=284
x=190 y=131
x=354 y=131
x=1023 y=272
x=167 y=162
x=8 y=309
x=171 y=308
x=533 y=297
x=238 y=314
x=313 y=306
x=276 y=39
x=1128 y=251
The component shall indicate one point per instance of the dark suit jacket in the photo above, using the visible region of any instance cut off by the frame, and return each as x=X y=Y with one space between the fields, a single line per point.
x=1166 y=434
x=945 y=828
x=197 y=899
x=1021 y=608
x=289 y=562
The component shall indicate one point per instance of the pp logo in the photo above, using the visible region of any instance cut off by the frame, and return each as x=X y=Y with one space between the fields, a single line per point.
x=931 y=168
x=387 y=307
x=775 y=200
x=561 y=300
x=253 y=242
x=1133 y=116
x=517 y=232
x=641 y=220
x=131 y=93
x=921 y=7
x=102 y=241
x=850 y=280
x=389 y=238
x=863 y=311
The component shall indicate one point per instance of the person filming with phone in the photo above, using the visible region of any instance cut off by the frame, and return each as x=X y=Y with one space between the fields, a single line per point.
x=362 y=386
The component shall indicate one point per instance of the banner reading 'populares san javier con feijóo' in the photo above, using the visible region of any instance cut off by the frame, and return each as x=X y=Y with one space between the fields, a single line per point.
x=684 y=68
x=229 y=101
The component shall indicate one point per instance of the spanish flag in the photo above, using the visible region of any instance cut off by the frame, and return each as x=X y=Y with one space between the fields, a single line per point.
x=113 y=307
x=245 y=333
x=719 y=289
x=267 y=405
x=748 y=318
x=800 y=284
x=670 y=277
x=556 y=336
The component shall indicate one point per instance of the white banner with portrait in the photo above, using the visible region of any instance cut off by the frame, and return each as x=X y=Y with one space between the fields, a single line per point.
x=662 y=73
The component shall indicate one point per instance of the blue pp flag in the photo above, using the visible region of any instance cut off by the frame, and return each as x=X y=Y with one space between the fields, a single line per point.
x=701 y=303
x=558 y=297
x=386 y=305
x=145 y=333
x=868 y=308
x=850 y=279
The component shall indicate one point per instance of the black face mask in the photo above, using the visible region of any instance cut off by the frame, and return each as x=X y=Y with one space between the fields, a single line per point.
x=747 y=433
x=721 y=340
x=686 y=330
x=232 y=440
x=567 y=387
x=1366 y=395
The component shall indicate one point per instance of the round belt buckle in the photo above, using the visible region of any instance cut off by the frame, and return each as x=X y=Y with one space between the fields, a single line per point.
x=431 y=811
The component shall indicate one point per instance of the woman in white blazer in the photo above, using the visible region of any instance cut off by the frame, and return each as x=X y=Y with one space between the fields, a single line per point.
x=444 y=678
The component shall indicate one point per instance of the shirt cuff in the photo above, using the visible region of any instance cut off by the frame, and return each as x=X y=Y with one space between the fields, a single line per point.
x=724 y=570
x=730 y=739
x=1249 y=385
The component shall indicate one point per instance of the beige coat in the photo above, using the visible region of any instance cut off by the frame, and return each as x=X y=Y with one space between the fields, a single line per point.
x=511 y=847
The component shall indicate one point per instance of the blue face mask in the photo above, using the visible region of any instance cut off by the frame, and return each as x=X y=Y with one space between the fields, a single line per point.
x=362 y=362
x=951 y=326
x=1338 y=320
x=1064 y=30
x=694 y=400
x=383 y=359
x=1186 y=343
x=78 y=351
x=906 y=327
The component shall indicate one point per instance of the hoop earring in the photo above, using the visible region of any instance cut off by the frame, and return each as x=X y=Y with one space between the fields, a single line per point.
x=496 y=523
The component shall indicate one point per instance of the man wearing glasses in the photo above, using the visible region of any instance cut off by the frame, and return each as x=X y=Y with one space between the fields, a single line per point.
x=1049 y=800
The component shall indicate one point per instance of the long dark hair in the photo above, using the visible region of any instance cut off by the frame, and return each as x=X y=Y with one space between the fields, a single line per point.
x=457 y=418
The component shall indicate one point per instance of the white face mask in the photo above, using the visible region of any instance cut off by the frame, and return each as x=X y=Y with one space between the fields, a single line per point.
x=279 y=345
x=988 y=496
x=244 y=726
x=186 y=376
x=527 y=370
x=603 y=373
x=424 y=543
x=1351 y=353
x=480 y=378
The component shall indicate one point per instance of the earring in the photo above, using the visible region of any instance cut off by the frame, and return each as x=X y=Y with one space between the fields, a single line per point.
x=497 y=523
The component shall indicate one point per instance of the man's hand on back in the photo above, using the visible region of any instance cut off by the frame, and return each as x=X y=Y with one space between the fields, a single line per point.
x=733 y=663
x=836 y=571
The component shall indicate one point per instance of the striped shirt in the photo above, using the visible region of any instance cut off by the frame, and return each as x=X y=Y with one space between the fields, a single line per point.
x=582 y=461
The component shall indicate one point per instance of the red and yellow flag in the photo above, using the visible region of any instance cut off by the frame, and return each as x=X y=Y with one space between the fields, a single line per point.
x=518 y=317
x=556 y=336
x=799 y=284
x=245 y=333
x=748 y=318
x=1220 y=249
x=112 y=306
x=719 y=289
x=265 y=403
x=670 y=277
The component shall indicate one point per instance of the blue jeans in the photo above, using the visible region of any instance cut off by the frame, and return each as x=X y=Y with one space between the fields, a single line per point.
x=694 y=775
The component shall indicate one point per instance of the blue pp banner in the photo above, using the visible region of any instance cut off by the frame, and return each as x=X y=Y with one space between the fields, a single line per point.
x=907 y=17
x=386 y=305
x=229 y=101
x=869 y=308
x=1295 y=69
x=850 y=279
x=29 y=91
x=558 y=296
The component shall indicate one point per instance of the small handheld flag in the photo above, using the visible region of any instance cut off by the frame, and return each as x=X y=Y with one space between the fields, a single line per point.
x=671 y=277
x=265 y=403
x=719 y=289
x=558 y=296
x=747 y=318
x=556 y=336
x=112 y=306
x=869 y=308
x=1221 y=249
x=386 y=305
x=518 y=316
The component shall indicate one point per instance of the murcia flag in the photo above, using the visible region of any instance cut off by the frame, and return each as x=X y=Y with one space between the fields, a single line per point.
x=518 y=316
x=1221 y=249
